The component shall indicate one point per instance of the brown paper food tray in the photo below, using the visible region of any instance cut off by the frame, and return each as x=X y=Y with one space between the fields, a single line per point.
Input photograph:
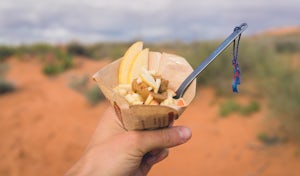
x=140 y=117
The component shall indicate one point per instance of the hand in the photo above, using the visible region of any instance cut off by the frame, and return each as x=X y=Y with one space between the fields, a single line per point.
x=115 y=151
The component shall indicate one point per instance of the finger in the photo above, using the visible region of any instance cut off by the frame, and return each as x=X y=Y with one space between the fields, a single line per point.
x=157 y=157
x=152 y=158
x=163 y=138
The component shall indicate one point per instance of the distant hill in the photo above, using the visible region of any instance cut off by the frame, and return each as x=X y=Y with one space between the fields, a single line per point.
x=280 y=31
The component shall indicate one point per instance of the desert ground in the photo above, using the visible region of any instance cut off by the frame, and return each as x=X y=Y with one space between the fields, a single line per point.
x=45 y=126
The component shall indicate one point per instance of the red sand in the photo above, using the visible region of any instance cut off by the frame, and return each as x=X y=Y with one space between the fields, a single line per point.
x=45 y=126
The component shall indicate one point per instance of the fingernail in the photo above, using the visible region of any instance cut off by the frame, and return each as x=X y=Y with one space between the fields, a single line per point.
x=184 y=133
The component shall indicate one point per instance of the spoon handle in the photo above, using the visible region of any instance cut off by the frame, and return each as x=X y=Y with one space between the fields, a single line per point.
x=237 y=31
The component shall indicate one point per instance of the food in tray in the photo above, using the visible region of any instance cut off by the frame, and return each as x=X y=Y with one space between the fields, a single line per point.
x=141 y=86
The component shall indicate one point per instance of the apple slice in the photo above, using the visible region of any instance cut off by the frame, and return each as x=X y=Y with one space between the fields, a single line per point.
x=154 y=61
x=148 y=79
x=140 y=62
x=127 y=60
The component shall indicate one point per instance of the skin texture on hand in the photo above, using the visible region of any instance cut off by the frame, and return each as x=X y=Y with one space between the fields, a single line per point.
x=113 y=151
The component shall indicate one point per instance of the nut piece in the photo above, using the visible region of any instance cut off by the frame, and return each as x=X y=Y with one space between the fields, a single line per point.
x=163 y=86
x=159 y=97
x=140 y=88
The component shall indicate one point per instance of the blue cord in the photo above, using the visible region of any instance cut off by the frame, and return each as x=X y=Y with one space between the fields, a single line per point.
x=236 y=71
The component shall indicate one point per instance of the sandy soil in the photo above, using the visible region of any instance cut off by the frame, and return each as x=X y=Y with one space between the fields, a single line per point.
x=45 y=126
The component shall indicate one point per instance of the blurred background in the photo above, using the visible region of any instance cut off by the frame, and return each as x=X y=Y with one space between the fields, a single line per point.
x=49 y=105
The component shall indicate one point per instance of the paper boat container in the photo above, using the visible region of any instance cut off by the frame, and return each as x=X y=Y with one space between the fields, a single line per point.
x=140 y=117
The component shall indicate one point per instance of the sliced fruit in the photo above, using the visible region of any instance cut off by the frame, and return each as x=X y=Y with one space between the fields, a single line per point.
x=149 y=99
x=148 y=79
x=180 y=102
x=158 y=82
x=140 y=62
x=154 y=61
x=127 y=61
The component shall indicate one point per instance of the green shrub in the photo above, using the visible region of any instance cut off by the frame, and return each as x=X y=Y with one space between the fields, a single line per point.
x=61 y=62
x=268 y=139
x=78 y=49
x=278 y=80
x=108 y=50
x=65 y=60
x=287 y=44
x=228 y=107
x=6 y=51
x=252 y=107
x=79 y=84
x=94 y=95
x=38 y=49
x=284 y=98
x=52 y=69
x=6 y=86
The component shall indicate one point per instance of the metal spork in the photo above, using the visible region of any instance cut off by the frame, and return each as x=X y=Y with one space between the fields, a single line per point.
x=185 y=84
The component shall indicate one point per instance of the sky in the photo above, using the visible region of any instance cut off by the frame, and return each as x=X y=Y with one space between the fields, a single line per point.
x=89 y=21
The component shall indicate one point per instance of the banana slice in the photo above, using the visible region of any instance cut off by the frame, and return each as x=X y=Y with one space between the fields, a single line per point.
x=139 y=63
x=127 y=62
